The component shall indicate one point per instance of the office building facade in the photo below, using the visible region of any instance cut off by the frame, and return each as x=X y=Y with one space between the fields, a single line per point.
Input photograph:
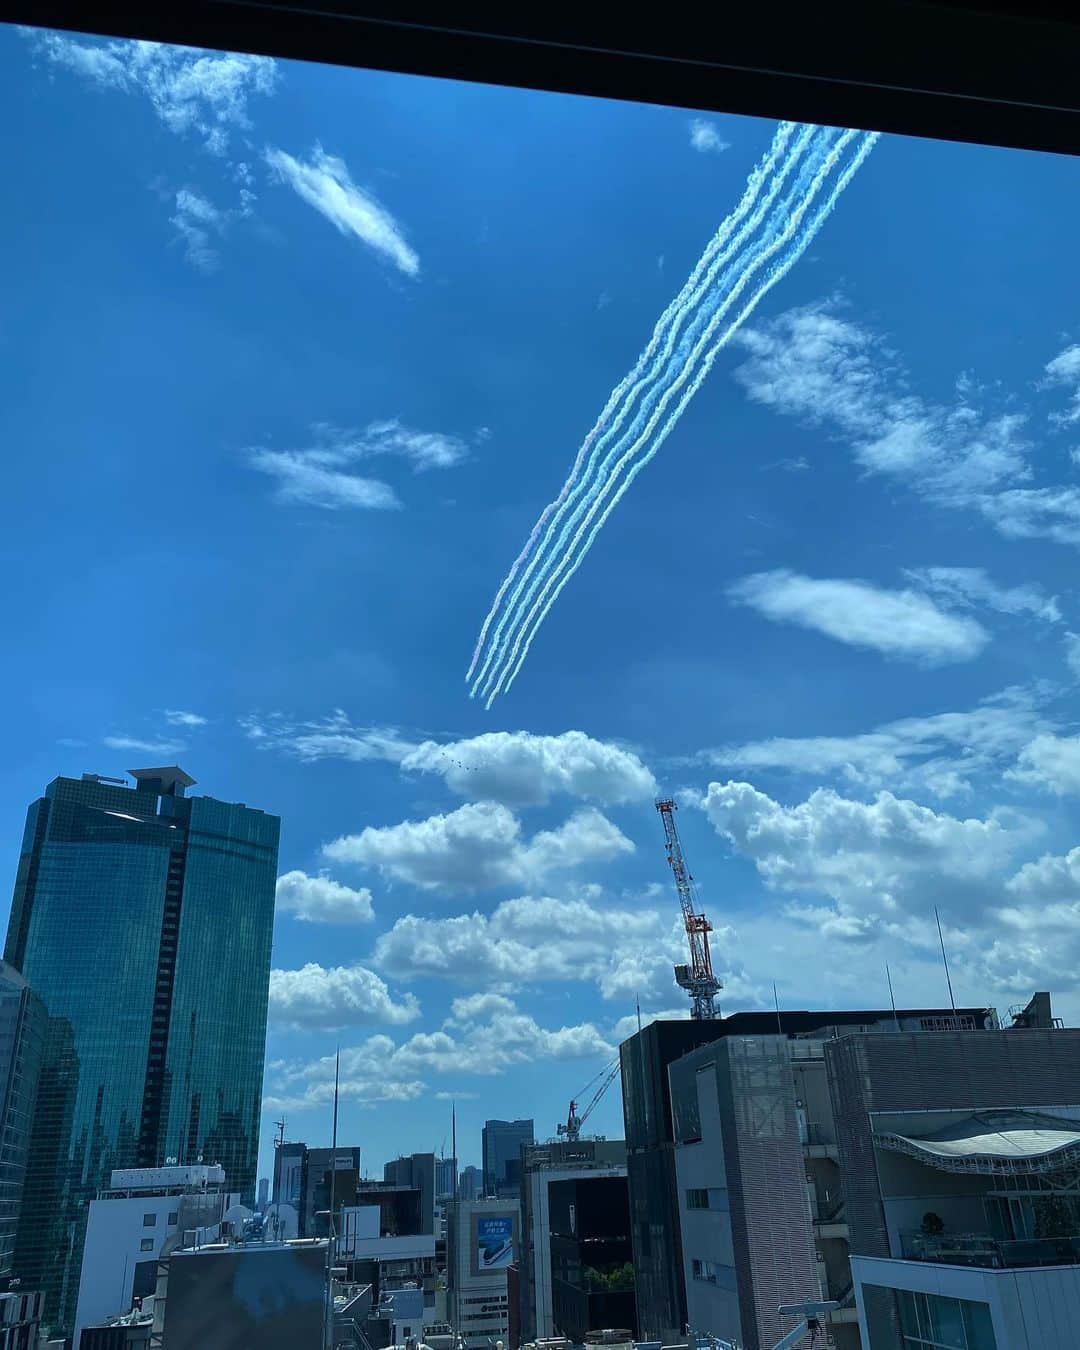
x=22 y=1043
x=470 y=1184
x=416 y=1171
x=482 y=1241
x=143 y=918
x=445 y=1178
x=657 y=1204
x=144 y=1214
x=502 y=1144
x=575 y=1264
x=961 y=1160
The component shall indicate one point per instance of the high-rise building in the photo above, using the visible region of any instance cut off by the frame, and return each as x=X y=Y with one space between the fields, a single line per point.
x=143 y=918
x=502 y=1140
x=416 y=1170
x=22 y=1040
x=289 y=1173
x=470 y=1184
x=445 y=1178
x=656 y=1199
x=264 y=1194
x=482 y=1241
x=575 y=1265
x=761 y=1189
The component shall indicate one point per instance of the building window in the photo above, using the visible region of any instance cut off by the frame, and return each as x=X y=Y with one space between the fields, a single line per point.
x=149 y=1220
x=146 y=1245
x=174 y=1218
x=697 y=1199
x=934 y=1322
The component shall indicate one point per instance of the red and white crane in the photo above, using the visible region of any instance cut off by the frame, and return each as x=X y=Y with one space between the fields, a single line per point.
x=697 y=977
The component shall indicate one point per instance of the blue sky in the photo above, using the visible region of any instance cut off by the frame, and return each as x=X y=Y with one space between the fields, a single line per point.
x=292 y=359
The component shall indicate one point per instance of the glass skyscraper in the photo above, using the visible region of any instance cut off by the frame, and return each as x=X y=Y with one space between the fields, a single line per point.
x=502 y=1141
x=144 y=919
x=22 y=1039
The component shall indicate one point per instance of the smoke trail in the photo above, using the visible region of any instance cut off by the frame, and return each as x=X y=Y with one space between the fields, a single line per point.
x=734 y=280
x=514 y=607
x=672 y=314
x=781 y=225
x=867 y=144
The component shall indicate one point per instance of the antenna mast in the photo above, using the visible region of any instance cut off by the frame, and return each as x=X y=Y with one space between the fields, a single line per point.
x=697 y=977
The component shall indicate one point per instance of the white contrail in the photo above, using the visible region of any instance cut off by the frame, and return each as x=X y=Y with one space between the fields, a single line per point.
x=870 y=139
x=735 y=279
x=672 y=314
x=720 y=250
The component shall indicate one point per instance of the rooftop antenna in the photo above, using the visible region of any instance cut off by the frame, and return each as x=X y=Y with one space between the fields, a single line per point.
x=281 y=1132
x=892 y=999
x=453 y=1140
x=945 y=962
x=776 y=1005
x=637 y=1001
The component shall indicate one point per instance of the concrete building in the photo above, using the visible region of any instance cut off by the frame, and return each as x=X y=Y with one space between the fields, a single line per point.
x=329 y=1178
x=483 y=1237
x=288 y=1173
x=272 y=1296
x=143 y=918
x=661 y=1206
x=445 y=1178
x=22 y=1042
x=470 y=1184
x=575 y=1240
x=416 y=1171
x=141 y=1217
x=961 y=1162
x=502 y=1144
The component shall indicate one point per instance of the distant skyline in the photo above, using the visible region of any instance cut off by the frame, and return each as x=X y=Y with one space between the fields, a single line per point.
x=293 y=359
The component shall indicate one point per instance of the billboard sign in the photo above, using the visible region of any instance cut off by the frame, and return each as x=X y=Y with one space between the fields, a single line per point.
x=494 y=1242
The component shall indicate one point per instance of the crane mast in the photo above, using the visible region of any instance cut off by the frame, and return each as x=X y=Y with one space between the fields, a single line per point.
x=697 y=976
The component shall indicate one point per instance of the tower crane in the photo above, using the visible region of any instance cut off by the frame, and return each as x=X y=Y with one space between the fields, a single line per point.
x=574 y=1122
x=697 y=976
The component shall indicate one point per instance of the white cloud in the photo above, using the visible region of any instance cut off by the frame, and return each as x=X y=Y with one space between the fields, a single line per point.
x=142 y=746
x=705 y=137
x=190 y=90
x=1050 y=762
x=519 y=768
x=1035 y=513
x=878 y=860
x=516 y=768
x=176 y=717
x=338 y=996
x=306 y=482
x=627 y=951
x=333 y=737
x=1064 y=370
x=492 y=1043
x=366 y=1078
x=970 y=586
x=1072 y=653
x=941 y=754
x=901 y=624
x=479 y=845
x=322 y=474
x=322 y=900
x=197 y=222
x=813 y=364
x=324 y=183
x=1051 y=878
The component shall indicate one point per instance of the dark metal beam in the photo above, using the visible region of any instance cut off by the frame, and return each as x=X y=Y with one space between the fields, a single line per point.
x=996 y=73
